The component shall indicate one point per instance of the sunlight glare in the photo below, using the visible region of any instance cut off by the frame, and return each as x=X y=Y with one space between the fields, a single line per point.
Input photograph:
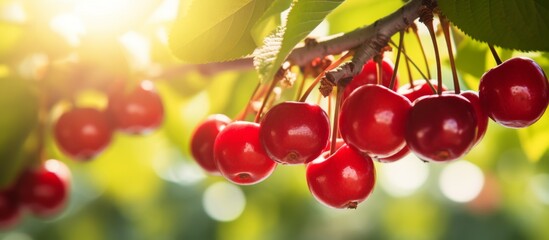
x=224 y=201
x=461 y=181
x=403 y=177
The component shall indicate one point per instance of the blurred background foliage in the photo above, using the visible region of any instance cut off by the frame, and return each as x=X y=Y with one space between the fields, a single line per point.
x=149 y=187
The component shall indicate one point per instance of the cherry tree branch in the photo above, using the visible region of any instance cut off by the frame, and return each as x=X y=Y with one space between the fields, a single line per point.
x=366 y=41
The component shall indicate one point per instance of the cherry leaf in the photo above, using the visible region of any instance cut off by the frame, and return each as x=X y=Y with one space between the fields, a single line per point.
x=214 y=31
x=304 y=17
x=513 y=24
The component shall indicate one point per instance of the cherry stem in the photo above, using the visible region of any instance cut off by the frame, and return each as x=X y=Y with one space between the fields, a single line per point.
x=317 y=79
x=301 y=85
x=335 y=126
x=415 y=30
x=410 y=78
x=400 y=41
x=242 y=114
x=446 y=29
x=429 y=24
x=495 y=54
x=265 y=100
x=415 y=66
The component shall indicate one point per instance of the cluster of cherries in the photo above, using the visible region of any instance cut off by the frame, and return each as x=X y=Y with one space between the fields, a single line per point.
x=83 y=133
x=375 y=123
x=41 y=191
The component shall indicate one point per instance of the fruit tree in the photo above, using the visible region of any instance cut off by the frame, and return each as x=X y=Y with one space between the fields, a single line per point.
x=274 y=119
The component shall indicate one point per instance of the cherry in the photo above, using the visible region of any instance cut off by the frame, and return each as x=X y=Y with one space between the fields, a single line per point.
x=338 y=145
x=368 y=75
x=342 y=180
x=482 y=118
x=137 y=112
x=294 y=132
x=395 y=157
x=372 y=120
x=82 y=133
x=10 y=211
x=441 y=128
x=239 y=155
x=420 y=89
x=203 y=139
x=44 y=191
x=514 y=94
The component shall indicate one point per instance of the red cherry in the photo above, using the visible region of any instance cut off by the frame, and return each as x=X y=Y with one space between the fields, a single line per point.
x=420 y=89
x=44 y=191
x=441 y=128
x=482 y=118
x=342 y=180
x=395 y=157
x=137 y=112
x=372 y=120
x=514 y=94
x=203 y=139
x=10 y=211
x=294 y=132
x=82 y=133
x=239 y=155
x=368 y=75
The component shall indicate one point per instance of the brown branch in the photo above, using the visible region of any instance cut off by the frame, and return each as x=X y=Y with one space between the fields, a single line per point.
x=367 y=41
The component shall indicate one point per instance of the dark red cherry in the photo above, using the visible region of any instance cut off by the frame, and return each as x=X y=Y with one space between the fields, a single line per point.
x=395 y=157
x=368 y=75
x=420 y=89
x=373 y=119
x=239 y=155
x=82 y=133
x=203 y=139
x=482 y=118
x=44 y=191
x=294 y=132
x=441 y=128
x=514 y=94
x=10 y=210
x=342 y=180
x=137 y=112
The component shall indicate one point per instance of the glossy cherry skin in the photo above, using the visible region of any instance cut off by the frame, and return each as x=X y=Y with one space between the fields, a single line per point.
x=482 y=118
x=441 y=128
x=373 y=120
x=137 y=112
x=514 y=94
x=82 y=133
x=368 y=75
x=342 y=180
x=203 y=139
x=239 y=155
x=10 y=210
x=45 y=191
x=420 y=89
x=294 y=132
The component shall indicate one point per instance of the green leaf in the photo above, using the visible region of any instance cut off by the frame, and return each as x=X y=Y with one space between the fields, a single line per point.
x=514 y=24
x=353 y=14
x=213 y=31
x=269 y=21
x=304 y=17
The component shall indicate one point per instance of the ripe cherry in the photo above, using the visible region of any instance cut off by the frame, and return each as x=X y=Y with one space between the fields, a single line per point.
x=368 y=75
x=420 y=89
x=395 y=157
x=203 y=139
x=514 y=94
x=342 y=180
x=44 y=191
x=239 y=155
x=82 y=133
x=10 y=211
x=294 y=132
x=441 y=128
x=137 y=112
x=482 y=118
x=373 y=119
